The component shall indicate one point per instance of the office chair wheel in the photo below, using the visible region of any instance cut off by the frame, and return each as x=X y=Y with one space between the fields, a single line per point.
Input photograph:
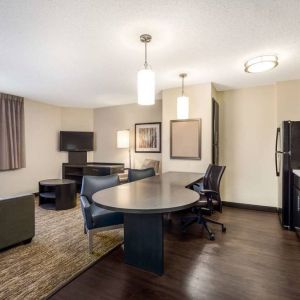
x=223 y=229
x=211 y=237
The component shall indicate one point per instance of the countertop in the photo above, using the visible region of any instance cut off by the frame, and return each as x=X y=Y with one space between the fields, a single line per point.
x=297 y=172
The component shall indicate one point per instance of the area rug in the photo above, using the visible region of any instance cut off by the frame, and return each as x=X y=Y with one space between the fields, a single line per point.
x=57 y=253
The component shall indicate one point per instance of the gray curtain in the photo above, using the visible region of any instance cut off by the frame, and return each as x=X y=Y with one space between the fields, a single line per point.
x=12 y=152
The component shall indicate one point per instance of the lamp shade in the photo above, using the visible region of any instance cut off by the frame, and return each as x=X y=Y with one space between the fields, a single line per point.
x=146 y=87
x=182 y=107
x=123 y=139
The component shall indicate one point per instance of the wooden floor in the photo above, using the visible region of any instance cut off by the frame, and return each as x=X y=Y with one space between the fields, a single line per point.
x=254 y=259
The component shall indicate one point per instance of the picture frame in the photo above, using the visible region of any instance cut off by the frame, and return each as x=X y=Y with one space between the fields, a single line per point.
x=185 y=139
x=148 y=137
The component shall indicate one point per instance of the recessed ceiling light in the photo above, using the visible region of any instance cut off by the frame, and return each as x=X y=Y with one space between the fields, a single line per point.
x=261 y=64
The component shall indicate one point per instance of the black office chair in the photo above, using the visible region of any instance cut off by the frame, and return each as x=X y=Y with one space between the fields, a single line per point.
x=138 y=174
x=210 y=200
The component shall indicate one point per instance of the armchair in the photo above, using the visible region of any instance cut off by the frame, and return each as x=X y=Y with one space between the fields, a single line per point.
x=95 y=217
x=136 y=174
x=17 y=220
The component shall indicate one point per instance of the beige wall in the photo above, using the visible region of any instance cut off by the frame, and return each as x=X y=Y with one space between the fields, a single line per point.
x=108 y=120
x=288 y=100
x=78 y=119
x=200 y=107
x=247 y=145
x=43 y=160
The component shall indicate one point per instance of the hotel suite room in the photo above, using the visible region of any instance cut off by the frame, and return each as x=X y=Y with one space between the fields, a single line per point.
x=149 y=150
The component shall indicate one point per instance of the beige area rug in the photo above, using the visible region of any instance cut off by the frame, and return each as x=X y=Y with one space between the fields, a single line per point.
x=57 y=253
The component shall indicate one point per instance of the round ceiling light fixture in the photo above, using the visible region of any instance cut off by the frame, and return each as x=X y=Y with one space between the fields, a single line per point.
x=261 y=63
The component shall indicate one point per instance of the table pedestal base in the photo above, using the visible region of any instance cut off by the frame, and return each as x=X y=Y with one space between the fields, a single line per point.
x=144 y=241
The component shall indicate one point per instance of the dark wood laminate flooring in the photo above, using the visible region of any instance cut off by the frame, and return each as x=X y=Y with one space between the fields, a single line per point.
x=254 y=259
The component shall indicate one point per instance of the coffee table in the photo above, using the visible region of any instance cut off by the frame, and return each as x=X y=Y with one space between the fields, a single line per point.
x=57 y=194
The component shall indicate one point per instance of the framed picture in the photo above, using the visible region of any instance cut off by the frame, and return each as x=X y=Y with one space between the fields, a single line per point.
x=148 y=137
x=185 y=139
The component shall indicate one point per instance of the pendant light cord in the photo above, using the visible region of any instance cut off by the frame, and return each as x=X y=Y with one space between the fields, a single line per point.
x=182 y=86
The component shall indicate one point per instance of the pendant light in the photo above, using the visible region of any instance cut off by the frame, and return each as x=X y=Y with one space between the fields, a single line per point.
x=182 y=102
x=146 y=78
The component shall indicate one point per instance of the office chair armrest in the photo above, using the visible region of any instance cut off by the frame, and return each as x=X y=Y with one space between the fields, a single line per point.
x=86 y=212
x=208 y=192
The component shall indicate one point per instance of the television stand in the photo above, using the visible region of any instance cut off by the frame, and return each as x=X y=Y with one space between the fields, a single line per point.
x=77 y=171
x=77 y=157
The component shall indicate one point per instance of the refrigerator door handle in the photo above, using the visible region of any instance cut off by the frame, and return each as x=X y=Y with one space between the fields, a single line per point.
x=277 y=152
x=276 y=166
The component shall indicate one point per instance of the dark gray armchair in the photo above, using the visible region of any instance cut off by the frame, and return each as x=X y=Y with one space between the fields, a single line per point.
x=16 y=220
x=138 y=174
x=95 y=217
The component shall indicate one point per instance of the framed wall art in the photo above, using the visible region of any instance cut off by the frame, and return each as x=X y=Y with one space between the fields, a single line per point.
x=148 y=137
x=185 y=139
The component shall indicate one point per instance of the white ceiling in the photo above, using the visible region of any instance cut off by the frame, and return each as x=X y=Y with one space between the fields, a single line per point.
x=87 y=53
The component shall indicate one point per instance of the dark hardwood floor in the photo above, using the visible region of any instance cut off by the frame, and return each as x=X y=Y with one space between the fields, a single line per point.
x=254 y=259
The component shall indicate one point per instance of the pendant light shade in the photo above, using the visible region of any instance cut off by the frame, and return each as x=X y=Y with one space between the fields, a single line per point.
x=146 y=78
x=182 y=107
x=182 y=102
x=146 y=87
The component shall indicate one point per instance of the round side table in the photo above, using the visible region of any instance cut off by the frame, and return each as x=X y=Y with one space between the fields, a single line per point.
x=57 y=194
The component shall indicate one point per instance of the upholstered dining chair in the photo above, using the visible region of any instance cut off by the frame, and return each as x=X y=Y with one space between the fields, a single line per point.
x=151 y=163
x=210 y=200
x=138 y=174
x=97 y=218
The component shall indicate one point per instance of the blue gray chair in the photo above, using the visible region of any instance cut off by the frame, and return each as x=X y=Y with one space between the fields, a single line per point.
x=95 y=217
x=137 y=174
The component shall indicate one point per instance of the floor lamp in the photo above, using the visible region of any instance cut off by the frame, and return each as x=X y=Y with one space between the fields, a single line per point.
x=123 y=142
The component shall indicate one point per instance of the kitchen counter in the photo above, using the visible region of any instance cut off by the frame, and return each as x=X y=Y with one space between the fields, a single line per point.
x=297 y=172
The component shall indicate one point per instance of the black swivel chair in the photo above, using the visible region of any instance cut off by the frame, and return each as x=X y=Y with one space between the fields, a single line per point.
x=138 y=174
x=210 y=200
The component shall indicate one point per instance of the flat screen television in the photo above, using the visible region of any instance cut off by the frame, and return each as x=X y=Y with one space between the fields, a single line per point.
x=76 y=141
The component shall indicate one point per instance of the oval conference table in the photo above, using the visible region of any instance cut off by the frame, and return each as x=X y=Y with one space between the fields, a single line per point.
x=143 y=203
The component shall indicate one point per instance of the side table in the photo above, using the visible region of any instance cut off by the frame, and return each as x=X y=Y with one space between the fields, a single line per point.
x=57 y=194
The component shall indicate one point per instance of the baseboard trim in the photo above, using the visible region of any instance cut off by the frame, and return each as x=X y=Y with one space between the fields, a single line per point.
x=250 y=206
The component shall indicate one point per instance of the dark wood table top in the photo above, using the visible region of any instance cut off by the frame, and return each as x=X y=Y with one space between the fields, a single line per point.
x=157 y=194
x=51 y=182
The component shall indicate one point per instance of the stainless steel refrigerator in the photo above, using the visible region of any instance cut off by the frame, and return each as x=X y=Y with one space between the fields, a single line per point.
x=287 y=158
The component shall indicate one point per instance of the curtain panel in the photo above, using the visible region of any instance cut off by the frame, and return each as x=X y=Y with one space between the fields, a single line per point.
x=12 y=144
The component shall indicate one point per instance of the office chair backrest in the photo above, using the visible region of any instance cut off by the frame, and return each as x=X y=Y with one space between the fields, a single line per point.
x=212 y=178
x=135 y=174
x=93 y=184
